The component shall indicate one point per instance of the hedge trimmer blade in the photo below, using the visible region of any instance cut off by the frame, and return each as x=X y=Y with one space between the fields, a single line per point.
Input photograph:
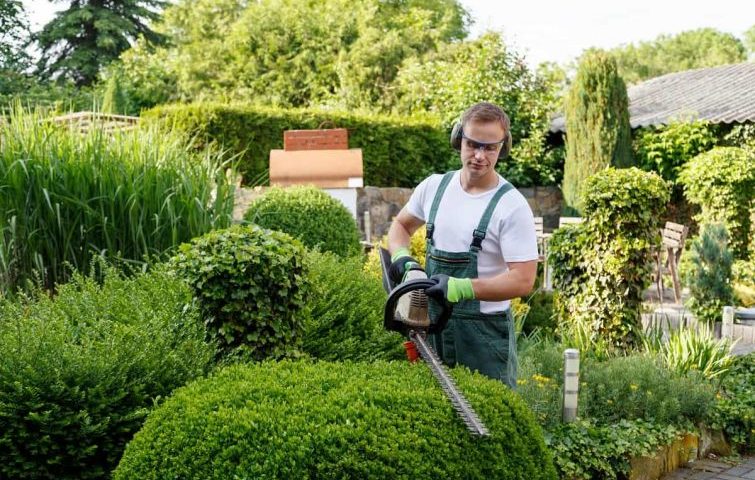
x=460 y=404
x=399 y=319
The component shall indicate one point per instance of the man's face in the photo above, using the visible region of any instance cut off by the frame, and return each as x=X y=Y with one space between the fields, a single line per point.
x=480 y=145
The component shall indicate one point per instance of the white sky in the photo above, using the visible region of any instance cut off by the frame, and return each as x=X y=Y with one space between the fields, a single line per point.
x=559 y=30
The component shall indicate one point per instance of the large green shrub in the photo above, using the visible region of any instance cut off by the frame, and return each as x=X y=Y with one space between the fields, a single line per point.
x=344 y=312
x=309 y=214
x=67 y=197
x=597 y=124
x=335 y=420
x=79 y=372
x=397 y=151
x=602 y=266
x=251 y=286
x=721 y=182
x=666 y=148
x=710 y=273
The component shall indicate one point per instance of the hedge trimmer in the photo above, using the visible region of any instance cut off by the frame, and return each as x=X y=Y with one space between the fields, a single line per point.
x=406 y=311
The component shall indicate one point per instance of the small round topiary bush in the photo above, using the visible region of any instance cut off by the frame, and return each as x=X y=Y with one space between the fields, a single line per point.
x=250 y=283
x=309 y=214
x=338 y=421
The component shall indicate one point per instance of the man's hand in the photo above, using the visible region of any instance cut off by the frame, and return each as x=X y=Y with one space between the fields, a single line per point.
x=450 y=289
x=401 y=262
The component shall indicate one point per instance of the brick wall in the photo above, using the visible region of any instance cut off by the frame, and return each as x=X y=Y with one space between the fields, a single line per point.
x=329 y=139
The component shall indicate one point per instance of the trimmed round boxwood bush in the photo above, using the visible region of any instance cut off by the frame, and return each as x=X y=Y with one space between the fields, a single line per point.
x=80 y=371
x=309 y=214
x=338 y=421
x=344 y=313
x=251 y=284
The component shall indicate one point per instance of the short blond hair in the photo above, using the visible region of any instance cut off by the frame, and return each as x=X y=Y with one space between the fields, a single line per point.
x=487 y=112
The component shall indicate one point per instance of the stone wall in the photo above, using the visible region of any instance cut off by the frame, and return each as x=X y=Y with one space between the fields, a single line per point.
x=385 y=203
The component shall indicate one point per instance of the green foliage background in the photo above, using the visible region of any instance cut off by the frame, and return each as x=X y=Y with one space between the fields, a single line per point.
x=397 y=151
x=704 y=47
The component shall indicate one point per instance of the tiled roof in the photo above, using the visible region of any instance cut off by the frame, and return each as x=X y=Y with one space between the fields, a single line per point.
x=723 y=94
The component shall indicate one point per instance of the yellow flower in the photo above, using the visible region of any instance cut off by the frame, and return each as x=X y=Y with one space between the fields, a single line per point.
x=609 y=401
x=521 y=381
x=633 y=387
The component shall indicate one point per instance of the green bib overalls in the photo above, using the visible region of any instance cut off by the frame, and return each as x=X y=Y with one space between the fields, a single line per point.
x=482 y=341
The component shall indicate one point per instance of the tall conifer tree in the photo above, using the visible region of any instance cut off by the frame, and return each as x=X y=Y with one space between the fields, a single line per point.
x=90 y=34
x=598 y=134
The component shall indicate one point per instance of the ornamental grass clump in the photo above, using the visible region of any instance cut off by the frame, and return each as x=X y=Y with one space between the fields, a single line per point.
x=338 y=421
x=251 y=286
x=68 y=196
x=309 y=214
x=80 y=371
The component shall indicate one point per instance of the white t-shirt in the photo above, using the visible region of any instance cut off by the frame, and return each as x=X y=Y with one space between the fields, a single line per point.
x=511 y=232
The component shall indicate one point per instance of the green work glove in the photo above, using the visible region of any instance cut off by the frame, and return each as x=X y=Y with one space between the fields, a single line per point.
x=401 y=262
x=450 y=289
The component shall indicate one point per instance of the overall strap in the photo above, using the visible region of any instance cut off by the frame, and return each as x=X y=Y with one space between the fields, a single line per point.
x=482 y=227
x=436 y=202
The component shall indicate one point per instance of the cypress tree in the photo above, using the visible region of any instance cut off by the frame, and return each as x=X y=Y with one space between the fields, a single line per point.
x=598 y=134
x=114 y=100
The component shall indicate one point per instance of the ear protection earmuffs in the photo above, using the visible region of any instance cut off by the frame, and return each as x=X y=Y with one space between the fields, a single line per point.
x=456 y=137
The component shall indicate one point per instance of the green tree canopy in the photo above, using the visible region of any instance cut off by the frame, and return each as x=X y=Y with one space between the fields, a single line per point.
x=448 y=81
x=13 y=31
x=705 y=47
x=749 y=41
x=90 y=34
x=290 y=53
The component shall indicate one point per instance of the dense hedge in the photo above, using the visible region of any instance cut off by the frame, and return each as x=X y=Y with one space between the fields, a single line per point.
x=602 y=266
x=79 y=372
x=250 y=283
x=397 y=151
x=337 y=421
x=721 y=182
x=309 y=214
x=344 y=312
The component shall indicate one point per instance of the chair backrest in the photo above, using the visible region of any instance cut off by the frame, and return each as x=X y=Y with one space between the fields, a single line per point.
x=569 y=220
x=539 y=226
x=674 y=235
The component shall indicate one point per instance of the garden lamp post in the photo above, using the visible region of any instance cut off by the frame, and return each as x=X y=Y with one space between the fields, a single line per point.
x=571 y=384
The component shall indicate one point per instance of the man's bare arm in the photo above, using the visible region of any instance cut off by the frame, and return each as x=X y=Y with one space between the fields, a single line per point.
x=401 y=230
x=516 y=282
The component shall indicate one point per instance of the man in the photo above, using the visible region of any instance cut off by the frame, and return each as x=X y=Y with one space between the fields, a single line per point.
x=481 y=246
